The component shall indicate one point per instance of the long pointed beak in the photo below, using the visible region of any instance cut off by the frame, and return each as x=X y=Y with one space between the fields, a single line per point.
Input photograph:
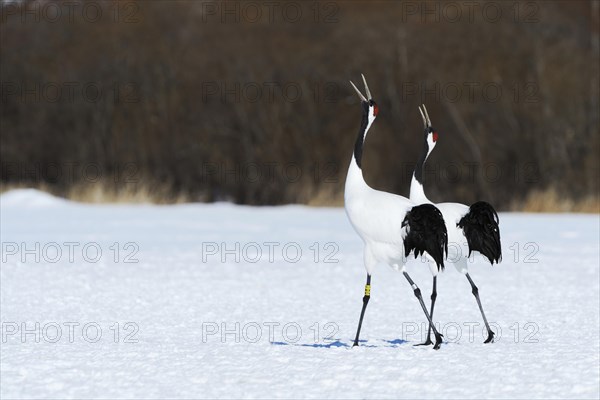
x=367 y=88
x=358 y=92
x=427 y=115
x=423 y=116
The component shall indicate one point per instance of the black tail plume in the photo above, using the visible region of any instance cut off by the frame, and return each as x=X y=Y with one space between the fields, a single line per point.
x=426 y=233
x=480 y=227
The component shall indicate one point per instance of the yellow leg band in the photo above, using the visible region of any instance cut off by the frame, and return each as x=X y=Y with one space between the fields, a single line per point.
x=367 y=290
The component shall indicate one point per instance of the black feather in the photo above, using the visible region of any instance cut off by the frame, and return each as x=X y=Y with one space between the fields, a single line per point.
x=480 y=227
x=358 y=145
x=426 y=233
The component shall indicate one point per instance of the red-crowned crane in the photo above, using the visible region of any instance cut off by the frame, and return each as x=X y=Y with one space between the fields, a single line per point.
x=478 y=224
x=390 y=226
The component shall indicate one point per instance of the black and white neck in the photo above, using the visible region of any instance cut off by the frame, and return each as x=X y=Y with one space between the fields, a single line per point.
x=369 y=113
x=368 y=116
x=417 y=190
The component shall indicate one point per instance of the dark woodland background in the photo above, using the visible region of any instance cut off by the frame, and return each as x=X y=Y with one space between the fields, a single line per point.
x=250 y=102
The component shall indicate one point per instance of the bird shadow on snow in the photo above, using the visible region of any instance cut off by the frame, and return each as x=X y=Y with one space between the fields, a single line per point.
x=347 y=344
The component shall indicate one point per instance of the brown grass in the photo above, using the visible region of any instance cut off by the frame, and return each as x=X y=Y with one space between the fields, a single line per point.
x=550 y=200
x=547 y=201
x=326 y=197
x=136 y=194
x=103 y=192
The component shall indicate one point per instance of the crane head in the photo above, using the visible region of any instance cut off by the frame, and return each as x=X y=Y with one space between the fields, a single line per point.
x=431 y=136
x=368 y=103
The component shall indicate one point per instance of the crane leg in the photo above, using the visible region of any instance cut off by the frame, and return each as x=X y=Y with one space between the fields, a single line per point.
x=475 y=292
x=417 y=291
x=428 y=341
x=366 y=298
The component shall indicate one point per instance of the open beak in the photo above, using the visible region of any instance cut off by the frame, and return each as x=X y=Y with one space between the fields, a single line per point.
x=367 y=88
x=362 y=97
x=358 y=92
x=425 y=117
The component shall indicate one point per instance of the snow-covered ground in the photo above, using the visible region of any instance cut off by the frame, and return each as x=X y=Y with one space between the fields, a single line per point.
x=204 y=301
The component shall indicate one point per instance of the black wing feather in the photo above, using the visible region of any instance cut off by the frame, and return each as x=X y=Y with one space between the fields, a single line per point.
x=480 y=227
x=426 y=233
